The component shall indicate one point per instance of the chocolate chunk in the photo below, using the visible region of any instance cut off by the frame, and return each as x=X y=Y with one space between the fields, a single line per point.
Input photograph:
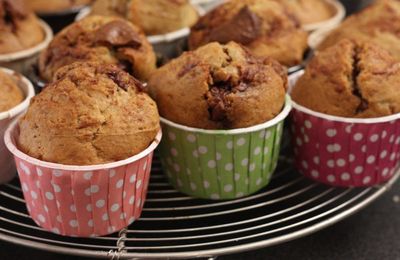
x=117 y=34
x=243 y=28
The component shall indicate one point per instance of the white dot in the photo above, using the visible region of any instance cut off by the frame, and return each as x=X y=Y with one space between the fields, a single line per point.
x=308 y=124
x=59 y=219
x=345 y=176
x=237 y=176
x=229 y=167
x=87 y=175
x=132 y=179
x=49 y=196
x=393 y=156
x=229 y=145
x=57 y=173
x=257 y=151
x=203 y=150
x=191 y=138
x=39 y=172
x=367 y=180
x=352 y=158
x=124 y=194
x=341 y=163
x=25 y=168
x=174 y=152
x=114 y=207
x=315 y=174
x=111 y=229
x=331 y=132
x=87 y=192
x=384 y=134
x=34 y=195
x=241 y=141
x=119 y=184
x=132 y=200
x=262 y=134
x=252 y=167
x=37 y=184
x=24 y=187
x=104 y=217
x=316 y=160
x=89 y=208
x=145 y=166
x=374 y=138
x=299 y=142
x=331 y=163
x=206 y=184
x=371 y=159
x=122 y=216
x=334 y=148
x=131 y=220
x=212 y=164
x=391 y=139
x=364 y=148
x=112 y=173
x=172 y=136
x=193 y=186
x=55 y=230
x=348 y=129
x=331 y=178
x=259 y=181
x=100 y=203
x=266 y=150
x=177 y=168
x=228 y=188
x=305 y=164
x=94 y=188
x=90 y=223
x=138 y=184
x=385 y=172
x=215 y=196
x=358 y=170
x=239 y=194
x=245 y=162
x=218 y=156
x=195 y=154
x=268 y=134
x=73 y=223
x=41 y=218
x=56 y=188
x=139 y=203
x=358 y=137
x=306 y=139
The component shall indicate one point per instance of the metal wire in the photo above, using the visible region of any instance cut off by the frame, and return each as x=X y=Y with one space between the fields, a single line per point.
x=174 y=225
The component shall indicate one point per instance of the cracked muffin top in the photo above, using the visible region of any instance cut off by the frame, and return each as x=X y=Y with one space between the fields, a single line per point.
x=355 y=80
x=265 y=27
x=10 y=93
x=153 y=16
x=109 y=40
x=378 y=24
x=19 y=28
x=219 y=87
x=46 y=6
x=91 y=114
x=311 y=11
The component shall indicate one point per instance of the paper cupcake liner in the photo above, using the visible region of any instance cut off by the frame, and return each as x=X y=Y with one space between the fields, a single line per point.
x=7 y=166
x=83 y=201
x=22 y=61
x=207 y=5
x=318 y=36
x=221 y=164
x=340 y=14
x=344 y=152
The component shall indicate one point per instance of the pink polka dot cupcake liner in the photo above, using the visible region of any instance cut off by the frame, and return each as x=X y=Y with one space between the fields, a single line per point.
x=83 y=201
x=344 y=152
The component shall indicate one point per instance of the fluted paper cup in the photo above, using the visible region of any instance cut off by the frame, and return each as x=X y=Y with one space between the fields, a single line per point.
x=344 y=152
x=207 y=5
x=21 y=61
x=7 y=166
x=334 y=21
x=83 y=201
x=221 y=164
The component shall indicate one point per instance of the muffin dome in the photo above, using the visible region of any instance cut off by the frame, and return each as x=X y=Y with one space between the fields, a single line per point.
x=19 y=28
x=378 y=24
x=356 y=80
x=266 y=27
x=91 y=114
x=219 y=87
x=153 y=16
x=10 y=94
x=109 y=40
x=46 y=6
x=310 y=11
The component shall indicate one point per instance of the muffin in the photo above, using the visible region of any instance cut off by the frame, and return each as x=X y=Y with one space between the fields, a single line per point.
x=356 y=80
x=219 y=87
x=92 y=113
x=265 y=27
x=11 y=95
x=378 y=24
x=45 y=6
x=311 y=11
x=153 y=16
x=109 y=40
x=20 y=29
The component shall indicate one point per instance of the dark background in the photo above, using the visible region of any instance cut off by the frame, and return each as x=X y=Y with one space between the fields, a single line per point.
x=370 y=234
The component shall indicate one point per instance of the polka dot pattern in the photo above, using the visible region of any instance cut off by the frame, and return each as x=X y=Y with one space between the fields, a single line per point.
x=345 y=154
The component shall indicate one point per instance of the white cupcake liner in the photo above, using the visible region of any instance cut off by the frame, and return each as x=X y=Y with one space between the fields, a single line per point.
x=340 y=14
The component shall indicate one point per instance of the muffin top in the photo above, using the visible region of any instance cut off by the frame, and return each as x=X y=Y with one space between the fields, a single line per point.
x=355 y=80
x=219 y=87
x=153 y=16
x=104 y=39
x=46 y=6
x=311 y=11
x=378 y=24
x=10 y=93
x=266 y=27
x=92 y=113
x=19 y=27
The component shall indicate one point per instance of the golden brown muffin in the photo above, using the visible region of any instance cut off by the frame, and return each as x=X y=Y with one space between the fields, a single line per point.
x=10 y=93
x=378 y=24
x=92 y=114
x=51 y=6
x=104 y=39
x=263 y=26
x=219 y=87
x=351 y=80
x=153 y=16
x=19 y=28
x=311 y=11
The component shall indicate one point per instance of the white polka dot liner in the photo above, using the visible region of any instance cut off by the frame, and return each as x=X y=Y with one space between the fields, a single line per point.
x=83 y=201
x=7 y=167
x=345 y=152
x=221 y=164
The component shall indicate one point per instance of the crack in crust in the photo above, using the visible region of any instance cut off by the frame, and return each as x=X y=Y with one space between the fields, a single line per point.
x=356 y=70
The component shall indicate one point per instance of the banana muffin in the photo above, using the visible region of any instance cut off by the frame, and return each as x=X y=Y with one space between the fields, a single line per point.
x=355 y=80
x=92 y=113
x=46 y=6
x=265 y=27
x=153 y=16
x=378 y=24
x=219 y=87
x=109 y=40
x=311 y=11
x=10 y=93
x=20 y=29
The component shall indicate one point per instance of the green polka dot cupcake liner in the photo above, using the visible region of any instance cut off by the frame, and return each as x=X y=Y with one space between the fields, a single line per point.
x=221 y=164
